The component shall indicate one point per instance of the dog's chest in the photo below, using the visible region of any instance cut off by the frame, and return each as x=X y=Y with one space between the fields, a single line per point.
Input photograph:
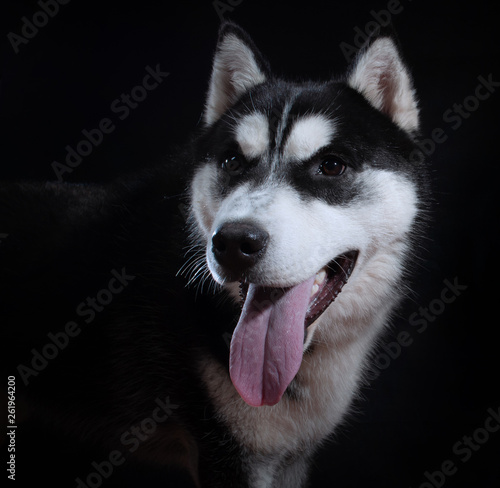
x=317 y=400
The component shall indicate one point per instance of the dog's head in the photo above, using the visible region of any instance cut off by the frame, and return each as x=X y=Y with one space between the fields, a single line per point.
x=303 y=190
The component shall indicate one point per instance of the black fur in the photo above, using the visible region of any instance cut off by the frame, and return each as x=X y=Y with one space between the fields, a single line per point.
x=63 y=241
x=358 y=133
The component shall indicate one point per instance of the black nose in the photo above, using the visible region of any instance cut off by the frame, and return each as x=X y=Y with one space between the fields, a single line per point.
x=238 y=245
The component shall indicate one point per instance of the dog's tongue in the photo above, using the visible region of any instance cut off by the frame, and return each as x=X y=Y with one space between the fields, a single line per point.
x=267 y=344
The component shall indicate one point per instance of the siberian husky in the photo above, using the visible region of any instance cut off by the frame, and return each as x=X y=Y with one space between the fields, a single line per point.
x=304 y=209
x=306 y=202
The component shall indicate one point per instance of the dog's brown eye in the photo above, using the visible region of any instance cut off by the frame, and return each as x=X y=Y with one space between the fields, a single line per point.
x=331 y=166
x=233 y=165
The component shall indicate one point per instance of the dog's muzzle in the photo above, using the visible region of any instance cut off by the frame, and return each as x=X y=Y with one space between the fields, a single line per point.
x=237 y=246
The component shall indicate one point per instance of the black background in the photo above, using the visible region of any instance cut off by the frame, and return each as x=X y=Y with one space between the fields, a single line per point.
x=436 y=390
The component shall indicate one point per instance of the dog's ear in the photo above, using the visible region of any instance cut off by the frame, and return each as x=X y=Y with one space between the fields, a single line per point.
x=381 y=76
x=237 y=67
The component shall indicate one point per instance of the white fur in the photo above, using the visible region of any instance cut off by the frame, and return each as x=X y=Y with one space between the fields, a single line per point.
x=305 y=236
x=203 y=204
x=234 y=71
x=252 y=135
x=307 y=136
x=382 y=78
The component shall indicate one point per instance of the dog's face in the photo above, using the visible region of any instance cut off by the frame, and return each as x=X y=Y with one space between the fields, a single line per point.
x=302 y=188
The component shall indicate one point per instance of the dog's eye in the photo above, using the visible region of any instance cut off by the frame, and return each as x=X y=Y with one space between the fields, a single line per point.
x=233 y=165
x=331 y=166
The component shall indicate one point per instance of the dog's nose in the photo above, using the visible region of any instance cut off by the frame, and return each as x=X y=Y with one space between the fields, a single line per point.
x=239 y=245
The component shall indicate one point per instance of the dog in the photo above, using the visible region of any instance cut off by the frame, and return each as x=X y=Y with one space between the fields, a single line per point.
x=216 y=313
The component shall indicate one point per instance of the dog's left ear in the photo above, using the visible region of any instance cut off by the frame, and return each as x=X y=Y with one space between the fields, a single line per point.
x=237 y=67
x=381 y=76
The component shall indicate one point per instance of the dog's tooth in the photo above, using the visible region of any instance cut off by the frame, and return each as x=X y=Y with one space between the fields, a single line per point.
x=314 y=289
x=320 y=277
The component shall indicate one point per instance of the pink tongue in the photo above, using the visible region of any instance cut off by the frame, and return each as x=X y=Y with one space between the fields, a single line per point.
x=267 y=344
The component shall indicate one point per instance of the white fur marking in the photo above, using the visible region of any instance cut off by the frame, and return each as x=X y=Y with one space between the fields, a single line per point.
x=235 y=70
x=305 y=237
x=252 y=134
x=308 y=135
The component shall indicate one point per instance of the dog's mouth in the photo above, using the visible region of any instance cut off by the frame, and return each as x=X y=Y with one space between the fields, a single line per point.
x=267 y=344
x=328 y=283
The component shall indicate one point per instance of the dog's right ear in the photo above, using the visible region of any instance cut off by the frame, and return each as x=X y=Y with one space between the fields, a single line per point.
x=237 y=67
